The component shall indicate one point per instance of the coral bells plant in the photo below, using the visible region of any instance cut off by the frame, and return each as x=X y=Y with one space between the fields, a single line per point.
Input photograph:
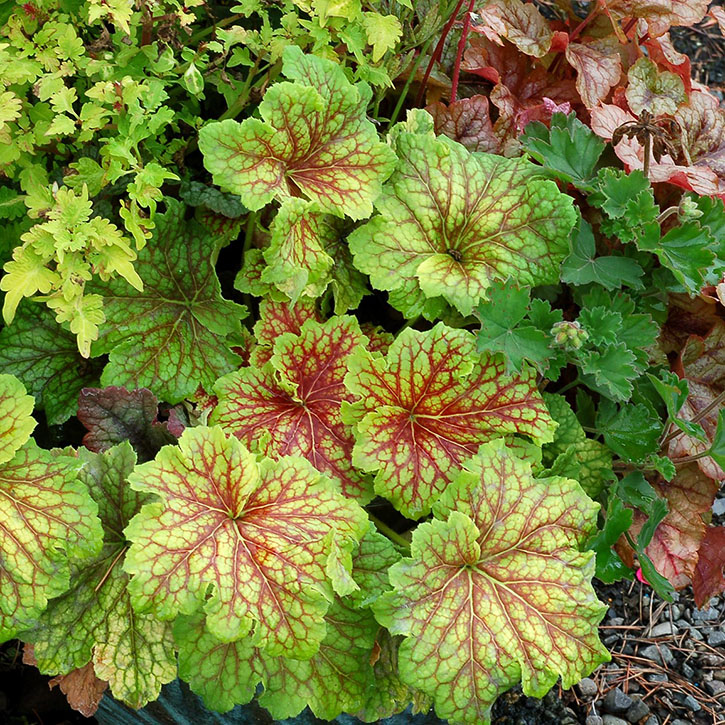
x=389 y=328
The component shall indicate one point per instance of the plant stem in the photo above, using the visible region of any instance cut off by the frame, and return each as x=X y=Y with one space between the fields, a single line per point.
x=437 y=52
x=459 y=52
x=690 y=459
x=213 y=28
x=393 y=535
x=714 y=403
x=409 y=80
x=592 y=14
x=574 y=382
x=249 y=232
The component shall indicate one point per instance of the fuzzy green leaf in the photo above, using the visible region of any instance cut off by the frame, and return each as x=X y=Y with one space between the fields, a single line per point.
x=16 y=420
x=94 y=621
x=452 y=221
x=313 y=138
x=257 y=534
x=172 y=337
x=496 y=590
x=428 y=405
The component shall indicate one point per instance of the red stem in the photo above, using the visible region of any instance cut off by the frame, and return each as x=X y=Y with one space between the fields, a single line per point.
x=593 y=14
x=459 y=53
x=437 y=52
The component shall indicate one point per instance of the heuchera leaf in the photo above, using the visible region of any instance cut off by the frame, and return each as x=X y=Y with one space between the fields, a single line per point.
x=467 y=121
x=676 y=542
x=520 y=23
x=258 y=534
x=312 y=138
x=650 y=90
x=496 y=590
x=428 y=405
x=44 y=356
x=46 y=516
x=291 y=406
x=171 y=337
x=276 y=318
x=113 y=415
x=708 y=579
x=94 y=621
x=454 y=221
x=598 y=66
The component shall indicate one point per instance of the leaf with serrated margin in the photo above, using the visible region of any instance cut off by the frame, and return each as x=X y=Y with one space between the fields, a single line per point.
x=291 y=406
x=276 y=318
x=172 y=337
x=702 y=363
x=467 y=121
x=45 y=357
x=16 y=420
x=46 y=518
x=520 y=23
x=112 y=415
x=94 y=621
x=370 y=567
x=708 y=579
x=650 y=90
x=451 y=222
x=313 y=138
x=612 y=369
x=598 y=68
x=428 y=405
x=256 y=534
x=497 y=590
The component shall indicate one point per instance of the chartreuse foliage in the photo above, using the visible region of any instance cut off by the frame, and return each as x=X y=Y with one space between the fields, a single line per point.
x=368 y=402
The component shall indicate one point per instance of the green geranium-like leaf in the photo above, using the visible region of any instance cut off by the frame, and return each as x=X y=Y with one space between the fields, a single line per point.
x=16 y=420
x=313 y=138
x=428 y=405
x=453 y=221
x=46 y=516
x=257 y=534
x=172 y=337
x=94 y=621
x=292 y=405
x=497 y=590
x=45 y=357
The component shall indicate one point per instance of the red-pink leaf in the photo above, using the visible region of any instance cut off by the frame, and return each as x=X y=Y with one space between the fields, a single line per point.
x=598 y=68
x=276 y=318
x=468 y=122
x=709 y=578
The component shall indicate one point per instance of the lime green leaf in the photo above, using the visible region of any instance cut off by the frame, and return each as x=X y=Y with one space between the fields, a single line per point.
x=171 y=338
x=16 y=419
x=496 y=590
x=94 y=620
x=502 y=329
x=583 y=266
x=453 y=221
x=46 y=516
x=45 y=357
x=648 y=89
x=313 y=137
x=383 y=32
x=567 y=147
x=292 y=405
x=370 y=567
x=257 y=534
x=428 y=405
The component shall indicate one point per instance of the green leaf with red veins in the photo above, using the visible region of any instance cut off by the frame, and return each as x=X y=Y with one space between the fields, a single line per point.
x=497 y=590
x=46 y=518
x=94 y=621
x=172 y=337
x=520 y=23
x=297 y=263
x=467 y=121
x=313 y=138
x=291 y=406
x=16 y=419
x=428 y=405
x=276 y=318
x=249 y=278
x=598 y=67
x=452 y=222
x=370 y=567
x=256 y=534
x=676 y=541
x=648 y=89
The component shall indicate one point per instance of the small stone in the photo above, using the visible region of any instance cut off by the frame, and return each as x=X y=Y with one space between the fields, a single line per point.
x=610 y=639
x=594 y=720
x=716 y=639
x=715 y=687
x=679 y=721
x=719 y=675
x=691 y=703
x=687 y=671
x=588 y=688
x=676 y=611
x=613 y=720
x=657 y=677
x=705 y=615
x=616 y=621
x=652 y=720
x=616 y=701
x=657 y=653
x=718 y=507
x=638 y=711
x=665 y=629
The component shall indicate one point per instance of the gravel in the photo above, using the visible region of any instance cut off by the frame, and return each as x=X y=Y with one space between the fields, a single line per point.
x=588 y=688
x=659 y=653
x=638 y=711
